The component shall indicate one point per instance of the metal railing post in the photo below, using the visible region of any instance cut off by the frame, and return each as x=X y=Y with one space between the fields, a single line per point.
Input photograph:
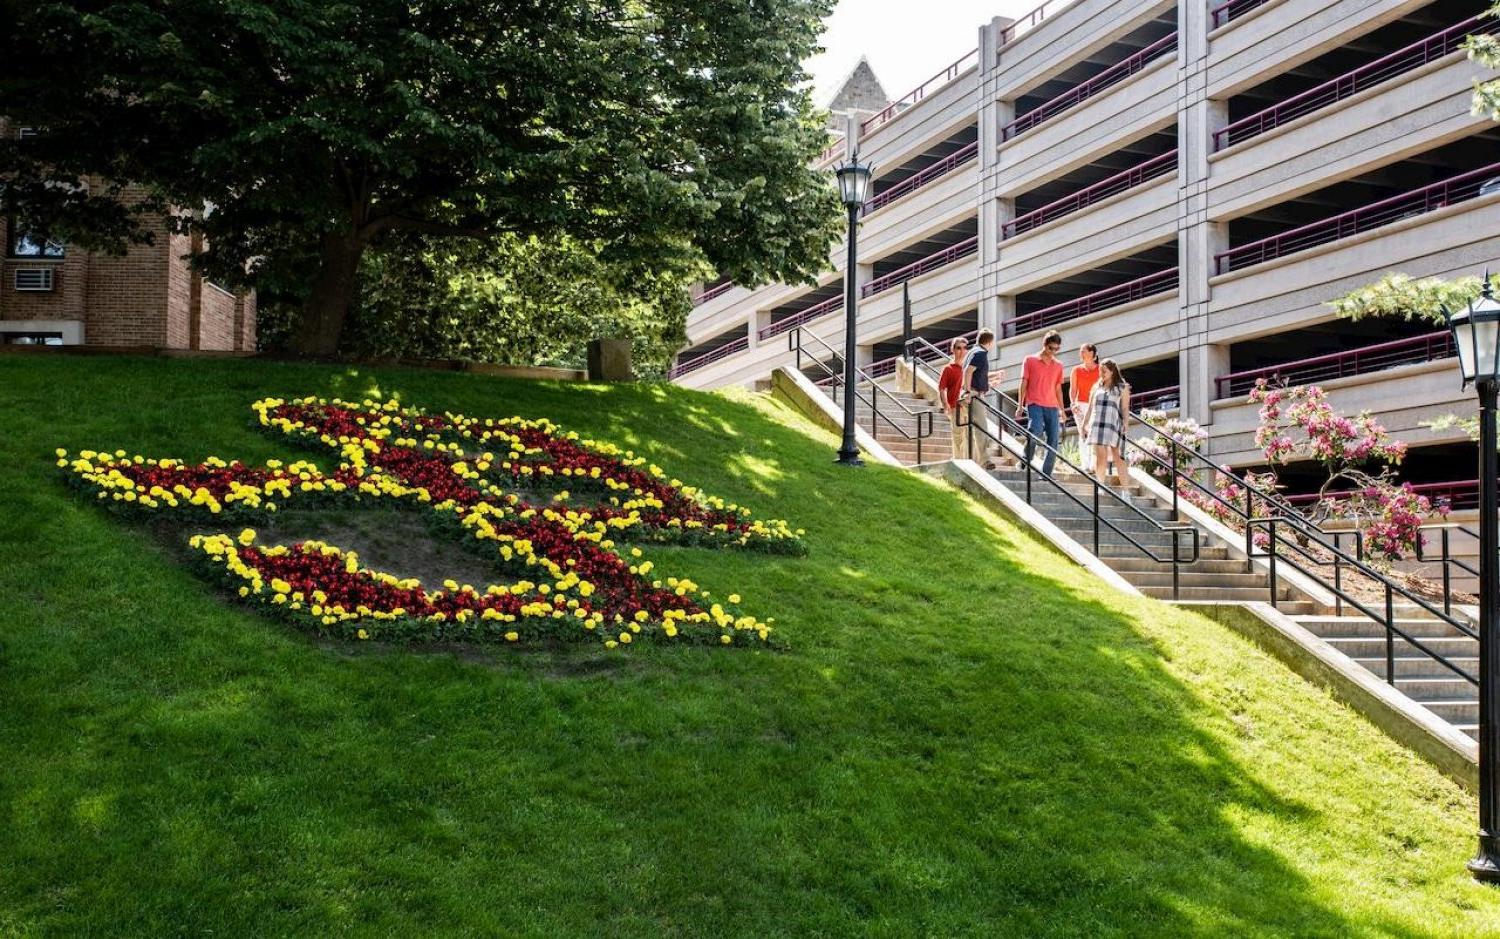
x=1447 y=577
x=1271 y=546
x=1390 y=637
x=1096 y=518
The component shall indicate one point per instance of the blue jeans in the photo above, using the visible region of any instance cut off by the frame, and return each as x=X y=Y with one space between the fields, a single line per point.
x=1040 y=420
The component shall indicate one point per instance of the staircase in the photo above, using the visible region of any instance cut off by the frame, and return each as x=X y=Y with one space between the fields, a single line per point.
x=1418 y=676
x=902 y=443
x=1214 y=578
x=1067 y=501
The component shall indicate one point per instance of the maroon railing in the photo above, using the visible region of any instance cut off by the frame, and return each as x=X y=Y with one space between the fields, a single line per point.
x=1158 y=398
x=1460 y=188
x=1458 y=494
x=1067 y=205
x=831 y=152
x=1078 y=93
x=912 y=183
x=1151 y=284
x=712 y=292
x=797 y=319
x=1425 y=348
x=899 y=106
x=1383 y=69
x=697 y=362
x=1031 y=20
x=1233 y=10
x=882 y=368
x=917 y=268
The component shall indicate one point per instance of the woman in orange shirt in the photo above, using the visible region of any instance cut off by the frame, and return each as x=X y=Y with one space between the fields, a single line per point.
x=1081 y=381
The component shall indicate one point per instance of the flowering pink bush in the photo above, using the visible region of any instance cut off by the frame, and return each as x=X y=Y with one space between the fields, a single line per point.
x=1299 y=424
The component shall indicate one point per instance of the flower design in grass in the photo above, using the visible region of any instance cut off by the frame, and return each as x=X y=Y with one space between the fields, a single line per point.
x=544 y=506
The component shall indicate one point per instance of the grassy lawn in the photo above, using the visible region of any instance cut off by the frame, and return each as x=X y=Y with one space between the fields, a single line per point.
x=964 y=735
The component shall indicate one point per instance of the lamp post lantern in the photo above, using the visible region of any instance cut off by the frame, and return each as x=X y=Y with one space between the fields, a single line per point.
x=854 y=189
x=1476 y=333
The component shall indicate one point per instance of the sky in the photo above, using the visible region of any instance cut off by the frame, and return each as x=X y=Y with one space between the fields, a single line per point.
x=906 y=43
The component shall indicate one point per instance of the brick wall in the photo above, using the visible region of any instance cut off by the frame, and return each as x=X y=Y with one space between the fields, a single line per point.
x=147 y=297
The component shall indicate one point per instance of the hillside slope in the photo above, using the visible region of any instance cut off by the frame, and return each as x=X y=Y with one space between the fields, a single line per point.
x=962 y=734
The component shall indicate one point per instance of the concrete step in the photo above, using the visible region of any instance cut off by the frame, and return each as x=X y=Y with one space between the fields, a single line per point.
x=1225 y=595
x=1437 y=688
x=1332 y=626
x=1191 y=578
x=1050 y=501
x=1133 y=564
x=1124 y=521
x=1360 y=647
x=1455 y=711
x=1419 y=666
x=1116 y=548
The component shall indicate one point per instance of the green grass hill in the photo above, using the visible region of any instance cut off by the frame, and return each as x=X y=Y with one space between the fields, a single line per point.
x=959 y=734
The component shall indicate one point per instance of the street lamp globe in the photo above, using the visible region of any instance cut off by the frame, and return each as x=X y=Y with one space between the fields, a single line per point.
x=854 y=182
x=1476 y=334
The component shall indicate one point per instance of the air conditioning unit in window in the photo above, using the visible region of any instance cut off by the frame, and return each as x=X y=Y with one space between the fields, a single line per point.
x=34 y=279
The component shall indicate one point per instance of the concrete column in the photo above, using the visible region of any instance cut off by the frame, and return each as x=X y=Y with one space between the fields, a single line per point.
x=759 y=319
x=1198 y=366
x=994 y=310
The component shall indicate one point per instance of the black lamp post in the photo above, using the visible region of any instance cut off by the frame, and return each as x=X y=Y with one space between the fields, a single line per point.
x=854 y=189
x=1476 y=333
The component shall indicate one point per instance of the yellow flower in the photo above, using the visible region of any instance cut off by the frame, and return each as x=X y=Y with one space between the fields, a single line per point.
x=726 y=639
x=734 y=598
x=364 y=635
x=512 y=636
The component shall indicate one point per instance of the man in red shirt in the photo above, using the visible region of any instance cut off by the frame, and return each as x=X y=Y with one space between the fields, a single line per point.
x=1040 y=398
x=950 y=390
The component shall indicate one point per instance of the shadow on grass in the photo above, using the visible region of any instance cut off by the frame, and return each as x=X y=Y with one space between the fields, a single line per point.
x=953 y=744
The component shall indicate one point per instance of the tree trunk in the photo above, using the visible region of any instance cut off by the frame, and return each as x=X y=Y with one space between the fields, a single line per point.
x=332 y=292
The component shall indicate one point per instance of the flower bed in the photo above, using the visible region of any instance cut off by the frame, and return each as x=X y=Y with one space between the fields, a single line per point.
x=479 y=478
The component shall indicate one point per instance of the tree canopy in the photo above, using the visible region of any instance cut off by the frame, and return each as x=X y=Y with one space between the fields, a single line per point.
x=662 y=132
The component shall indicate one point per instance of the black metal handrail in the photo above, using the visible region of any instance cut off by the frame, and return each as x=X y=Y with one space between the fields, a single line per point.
x=923 y=430
x=1446 y=560
x=1093 y=506
x=1289 y=534
x=1275 y=540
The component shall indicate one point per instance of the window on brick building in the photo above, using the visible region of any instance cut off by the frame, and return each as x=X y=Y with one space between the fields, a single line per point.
x=25 y=244
x=31 y=339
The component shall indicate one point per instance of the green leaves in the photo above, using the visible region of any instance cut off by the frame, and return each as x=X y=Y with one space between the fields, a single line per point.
x=657 y=130
x=1398 y=295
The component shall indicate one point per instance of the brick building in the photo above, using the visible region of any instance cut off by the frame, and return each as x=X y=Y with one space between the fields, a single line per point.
x=54 y=294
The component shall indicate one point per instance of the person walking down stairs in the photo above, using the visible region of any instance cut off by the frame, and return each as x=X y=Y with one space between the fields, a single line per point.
x=951 y=392
x=1040 y=399
x=1081 y=382
x=1106 y=420
x=977 y=380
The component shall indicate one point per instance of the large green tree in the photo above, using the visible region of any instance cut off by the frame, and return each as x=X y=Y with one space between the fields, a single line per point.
x=661 y=131
x=515 y=299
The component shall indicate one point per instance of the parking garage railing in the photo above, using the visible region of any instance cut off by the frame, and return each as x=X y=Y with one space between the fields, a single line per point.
x=1103 y=189
x=1157 y=399
x=1099 y=83
x=898 y=107
x=917 y=268
x=1032 y=20
x=1428 y=347
x=708 y=358
x=1232 y=10
x=714 y=292
x=1383 y=69
x=914 y=182
x=1456 y=494
x=1461 y=188
x=1140 y=288
x=807 y=315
